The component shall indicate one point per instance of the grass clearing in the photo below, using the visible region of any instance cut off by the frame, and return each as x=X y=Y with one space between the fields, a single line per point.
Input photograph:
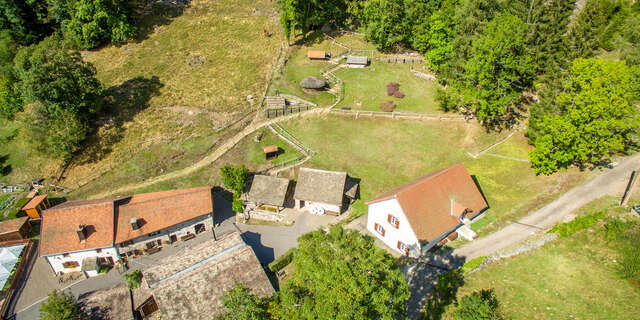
x=386 y=153
x=365 y=89
x=574 y=277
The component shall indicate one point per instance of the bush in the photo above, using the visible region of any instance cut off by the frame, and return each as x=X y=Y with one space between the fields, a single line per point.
x=283 y=261
x=234 y=177
x=473 y=264
x=398 y=94
x=387 y=106
x=236 y=205
x=479 y=305
x=577 y=224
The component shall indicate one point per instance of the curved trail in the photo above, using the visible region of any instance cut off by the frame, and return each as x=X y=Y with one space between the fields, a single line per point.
x=210 y=158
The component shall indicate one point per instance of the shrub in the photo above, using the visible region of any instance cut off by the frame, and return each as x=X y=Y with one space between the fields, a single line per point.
x=577 y=224
x=234 y=177
x=473 y=264
x=283 y=261
x=481 y=304
x=387 y=106
x=398 y=94
x=236 y=205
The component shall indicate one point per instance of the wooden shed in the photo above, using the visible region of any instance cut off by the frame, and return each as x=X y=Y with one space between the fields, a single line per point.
x=318 y=55
x=275 y=102
x=34 y=207
x=15 y=229
x=270 y=152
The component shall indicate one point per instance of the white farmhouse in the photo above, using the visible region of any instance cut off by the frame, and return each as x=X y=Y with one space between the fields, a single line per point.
x=322 y=191
x=419 y=215
x=88 y=235
x=76 y=232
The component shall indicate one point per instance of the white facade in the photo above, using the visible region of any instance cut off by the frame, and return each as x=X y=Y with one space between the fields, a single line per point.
x=327 y=207
x=64 y=262
x=379 y=214
x=167 y=235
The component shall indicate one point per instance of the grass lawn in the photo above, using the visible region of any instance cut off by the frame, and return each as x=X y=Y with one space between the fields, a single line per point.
x=173 y=92
x=365 y=89
x=571 y=278
x=387 y=153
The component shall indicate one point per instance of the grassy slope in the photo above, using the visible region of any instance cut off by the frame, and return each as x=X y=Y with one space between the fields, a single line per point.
x=573 y=277
x=178 y=121
x=386 y=153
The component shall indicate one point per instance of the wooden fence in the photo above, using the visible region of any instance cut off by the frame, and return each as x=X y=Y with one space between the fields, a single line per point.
x=399 y=115
x=274 y=113
x=401 y=59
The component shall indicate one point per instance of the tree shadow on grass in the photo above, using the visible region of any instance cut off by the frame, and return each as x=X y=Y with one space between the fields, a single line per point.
x=4 y=169
x=152 y=15
x=122 y=103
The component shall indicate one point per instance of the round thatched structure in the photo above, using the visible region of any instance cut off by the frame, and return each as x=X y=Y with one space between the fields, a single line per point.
x=313 y=83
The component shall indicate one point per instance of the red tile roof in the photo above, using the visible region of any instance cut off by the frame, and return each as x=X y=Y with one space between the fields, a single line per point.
x=159 y=210
x=429 y=201
x=34 y=202
x=59 y=225
x=12 y=225
x=316 y=54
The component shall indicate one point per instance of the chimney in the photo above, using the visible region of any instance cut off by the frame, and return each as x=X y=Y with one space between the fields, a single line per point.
x=134 y=224
x=82 y=235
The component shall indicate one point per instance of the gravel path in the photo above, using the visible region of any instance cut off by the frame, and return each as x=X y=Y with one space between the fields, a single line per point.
x=610 y=182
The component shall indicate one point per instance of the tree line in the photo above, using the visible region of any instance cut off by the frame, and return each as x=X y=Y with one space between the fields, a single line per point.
x=44 y=82
x=507 y=61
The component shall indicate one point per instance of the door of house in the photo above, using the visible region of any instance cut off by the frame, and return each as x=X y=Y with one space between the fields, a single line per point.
x=173 y=238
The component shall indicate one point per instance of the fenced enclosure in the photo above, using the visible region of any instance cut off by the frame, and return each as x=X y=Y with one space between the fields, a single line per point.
x=279 y=112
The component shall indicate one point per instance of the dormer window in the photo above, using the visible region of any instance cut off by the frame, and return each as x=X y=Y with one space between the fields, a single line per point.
x=393 y=221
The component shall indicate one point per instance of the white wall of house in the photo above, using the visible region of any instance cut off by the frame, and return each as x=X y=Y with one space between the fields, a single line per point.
x=325 y=206
x=57 y=261
x=164 y=235
x=378 y=213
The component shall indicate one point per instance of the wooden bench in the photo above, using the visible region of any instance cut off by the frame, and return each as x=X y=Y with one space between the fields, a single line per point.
x=187 y=237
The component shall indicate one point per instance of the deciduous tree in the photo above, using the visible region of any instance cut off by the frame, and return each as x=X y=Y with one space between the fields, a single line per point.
x=234 y=177
x=59 y=306
x=241 y=304
x=480 y=305
x=591 y=117
x=341 y=274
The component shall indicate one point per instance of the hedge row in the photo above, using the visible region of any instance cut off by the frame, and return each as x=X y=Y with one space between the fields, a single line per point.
x=283 y=261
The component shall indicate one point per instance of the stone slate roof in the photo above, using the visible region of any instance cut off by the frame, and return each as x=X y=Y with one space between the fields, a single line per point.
x=112 y=303
x=190 y=284
x=268 y=190
x=435 y=202
x=363 y=60
x=321 y=186
x=275 y=102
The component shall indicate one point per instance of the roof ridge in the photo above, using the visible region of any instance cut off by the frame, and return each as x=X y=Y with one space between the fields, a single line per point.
x=62 y=207
x=322 y=170
x=393 y=193
x=179 y=192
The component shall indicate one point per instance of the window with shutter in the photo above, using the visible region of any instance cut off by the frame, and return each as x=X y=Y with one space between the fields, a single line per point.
x=393 y=221
x=404 y=248
x=379 y=229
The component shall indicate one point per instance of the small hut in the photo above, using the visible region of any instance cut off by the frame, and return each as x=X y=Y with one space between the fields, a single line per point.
x=275 y=102
x=36 y=205
x=270 y=152
x=357 y=61
x=318 y=55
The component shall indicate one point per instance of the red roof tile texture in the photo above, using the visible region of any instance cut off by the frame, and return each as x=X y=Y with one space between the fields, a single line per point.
x=429 y=201
x=12 y=225
x=59 y=225
x=159 y=210
x=34 y=202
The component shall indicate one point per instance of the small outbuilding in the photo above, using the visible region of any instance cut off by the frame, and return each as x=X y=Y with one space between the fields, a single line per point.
x=318 y=55
x=268 y=194
x=36 y=205
x=357 y=61
x=323 y=192
x=270 y=152
x=15 y=229
x=275 y=102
